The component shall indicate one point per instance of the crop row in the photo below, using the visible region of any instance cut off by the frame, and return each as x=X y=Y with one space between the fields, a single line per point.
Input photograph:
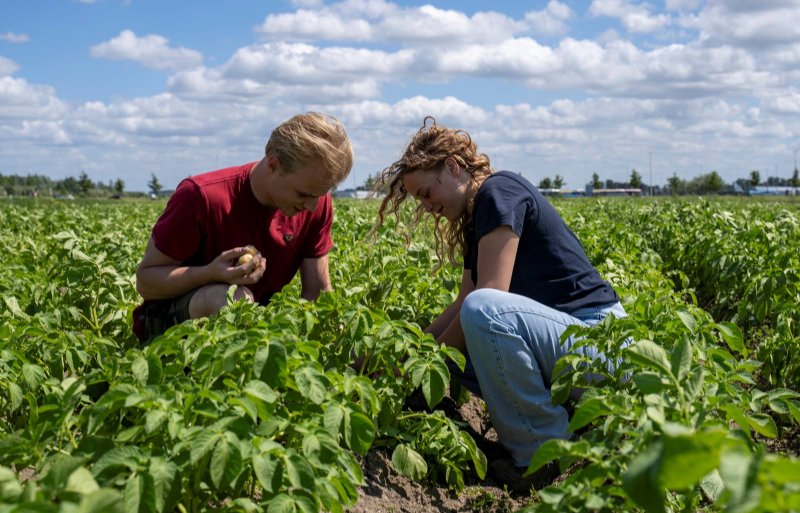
x=259 y=409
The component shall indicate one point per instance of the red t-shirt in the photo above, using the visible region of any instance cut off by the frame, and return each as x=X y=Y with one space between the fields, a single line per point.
x=216 y=211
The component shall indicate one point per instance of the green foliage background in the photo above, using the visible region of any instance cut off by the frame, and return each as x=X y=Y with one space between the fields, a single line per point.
x=259 y=409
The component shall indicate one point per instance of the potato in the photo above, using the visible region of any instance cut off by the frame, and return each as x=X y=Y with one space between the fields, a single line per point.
x=247 y=257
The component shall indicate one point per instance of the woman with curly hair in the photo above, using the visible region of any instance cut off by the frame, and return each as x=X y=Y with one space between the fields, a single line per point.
x=525 y=279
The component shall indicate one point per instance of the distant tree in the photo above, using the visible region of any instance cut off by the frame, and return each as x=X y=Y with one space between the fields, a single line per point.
x=546 y=183
x=755 y=177
x=795 y=179
x=636 y=179
x=68 y=185
x=84 y=183
x=744 y=184
x=373 y=183
x=119 y=187
x=710 y=183
x=596 y=183
x=676 y=185
x=558 y=182
x=154 y=185
x=774 y=181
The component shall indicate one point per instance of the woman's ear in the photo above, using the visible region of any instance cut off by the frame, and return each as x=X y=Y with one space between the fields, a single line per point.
x=452 y=166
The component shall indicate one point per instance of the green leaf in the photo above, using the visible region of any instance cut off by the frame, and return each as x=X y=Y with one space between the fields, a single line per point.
x=588 y=411
x=139 y=495
x=226 y=461
x=312 y=384
x=435 y=382
x=81 y=481
x=282 y=503
x=16 y=395
x=649 y=354
x=103 y=500
x=550 y=450
x=732 y=336
x=780 y=470
x=688 y=457
x=640 y=482
x=117 y=459
x=165 y=485
x=408 y=462
x=457 y=356
x=269 y=365
x=140 y=370
x=688 y=320
x=763 y=424
x=203 y=443
x=794 y=410
x=648 y=382
x=153 y=420
x=33 y=375
x=300 y=471
x=738 y=470
x=259 y=391
x=268 y=469
x=681 y=359
x=333 y=418
x=359 y=431
x=478 y=457
x=154 y=369
x=712 y=486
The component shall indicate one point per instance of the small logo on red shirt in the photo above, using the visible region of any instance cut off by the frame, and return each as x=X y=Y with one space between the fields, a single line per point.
x=287 y=237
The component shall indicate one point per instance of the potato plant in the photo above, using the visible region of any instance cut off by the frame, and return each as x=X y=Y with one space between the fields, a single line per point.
x=264 y=409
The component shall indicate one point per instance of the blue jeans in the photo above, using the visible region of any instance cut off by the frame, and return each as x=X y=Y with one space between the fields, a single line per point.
x=513 y=343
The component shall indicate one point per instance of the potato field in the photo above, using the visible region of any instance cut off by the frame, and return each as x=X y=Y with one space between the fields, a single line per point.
x=258 y=408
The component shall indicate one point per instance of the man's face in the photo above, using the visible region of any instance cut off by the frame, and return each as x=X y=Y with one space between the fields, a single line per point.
x=300 y=189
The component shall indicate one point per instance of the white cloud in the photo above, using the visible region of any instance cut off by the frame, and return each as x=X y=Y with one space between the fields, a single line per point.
x=152 y=51
x=7 y=66
x=552 y=20
x=303 y=24
x=634 y=17
x=752 y=24
x=372 y=20
x=12 y=37
x=306 y=64
x=307 y=3
x=681 y=5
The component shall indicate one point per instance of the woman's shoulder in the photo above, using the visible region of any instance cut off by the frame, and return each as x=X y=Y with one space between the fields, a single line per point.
x=507 y=181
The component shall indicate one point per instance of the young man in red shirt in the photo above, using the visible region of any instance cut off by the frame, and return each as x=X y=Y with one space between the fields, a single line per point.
x=281 y=205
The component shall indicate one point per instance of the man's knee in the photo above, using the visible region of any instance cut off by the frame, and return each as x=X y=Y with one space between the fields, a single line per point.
x=211 y=298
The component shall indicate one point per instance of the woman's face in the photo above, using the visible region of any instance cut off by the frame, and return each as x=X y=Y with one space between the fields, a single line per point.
x=442 y=191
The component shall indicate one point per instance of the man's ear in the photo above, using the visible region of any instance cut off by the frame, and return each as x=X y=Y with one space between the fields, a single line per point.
x=273 y=164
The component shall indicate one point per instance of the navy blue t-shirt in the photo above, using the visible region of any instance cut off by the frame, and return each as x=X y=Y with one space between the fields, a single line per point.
x=551 y=266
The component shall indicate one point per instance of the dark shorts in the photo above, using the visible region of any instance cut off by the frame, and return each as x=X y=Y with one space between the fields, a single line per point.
x=160 y=315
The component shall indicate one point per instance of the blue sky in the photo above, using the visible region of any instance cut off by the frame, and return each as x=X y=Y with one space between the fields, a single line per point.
x=123 y=89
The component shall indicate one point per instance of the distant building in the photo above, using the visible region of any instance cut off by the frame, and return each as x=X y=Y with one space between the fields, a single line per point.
x=357 y=194
x=591 y=191
x=774 y=190
x=563 y=193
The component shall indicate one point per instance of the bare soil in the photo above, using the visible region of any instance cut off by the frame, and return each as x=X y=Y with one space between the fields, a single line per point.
x=387 y=491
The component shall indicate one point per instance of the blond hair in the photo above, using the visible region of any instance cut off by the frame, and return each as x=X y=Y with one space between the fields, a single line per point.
x=427 y=151
x=311 y=136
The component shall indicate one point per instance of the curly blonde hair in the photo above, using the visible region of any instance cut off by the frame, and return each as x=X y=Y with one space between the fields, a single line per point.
x=427 y=151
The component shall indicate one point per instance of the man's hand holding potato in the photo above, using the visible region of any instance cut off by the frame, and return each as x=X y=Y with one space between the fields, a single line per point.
x=238 y=266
